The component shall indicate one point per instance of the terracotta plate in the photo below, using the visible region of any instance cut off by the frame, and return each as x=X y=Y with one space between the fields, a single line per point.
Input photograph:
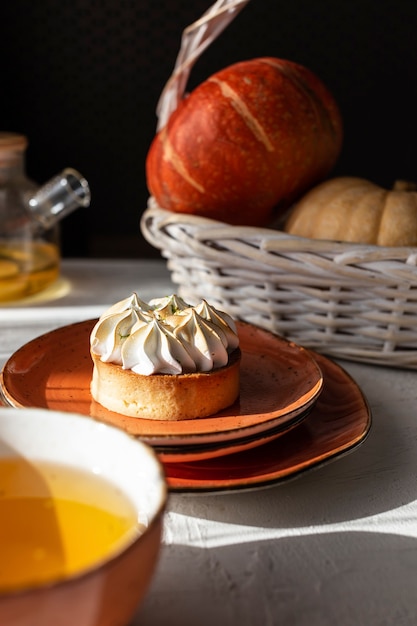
x=338 y=423
x=280 y=382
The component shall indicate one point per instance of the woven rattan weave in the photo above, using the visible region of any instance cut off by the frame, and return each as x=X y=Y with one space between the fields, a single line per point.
x=350 y=301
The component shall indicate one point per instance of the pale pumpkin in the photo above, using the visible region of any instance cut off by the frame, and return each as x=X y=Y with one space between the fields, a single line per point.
x=245 y=143
x=357 y=210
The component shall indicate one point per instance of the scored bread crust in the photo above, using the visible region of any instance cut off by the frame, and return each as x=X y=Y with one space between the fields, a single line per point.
x=165 y=396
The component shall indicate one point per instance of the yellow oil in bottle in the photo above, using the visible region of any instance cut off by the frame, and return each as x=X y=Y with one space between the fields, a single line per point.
x=56 y=521
x=26 y=267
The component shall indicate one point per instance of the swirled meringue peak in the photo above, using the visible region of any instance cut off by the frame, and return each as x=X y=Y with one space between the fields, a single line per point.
x=164 y=336
x=115 y=326
x=221 y=320
x=152 y=349
x=169 y=305
x=133 y=302
x=207 y=342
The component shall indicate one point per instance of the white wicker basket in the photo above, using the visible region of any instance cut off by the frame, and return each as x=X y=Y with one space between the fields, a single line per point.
x=350 y=301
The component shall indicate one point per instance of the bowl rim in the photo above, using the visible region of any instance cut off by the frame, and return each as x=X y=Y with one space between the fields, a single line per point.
x=127 y=544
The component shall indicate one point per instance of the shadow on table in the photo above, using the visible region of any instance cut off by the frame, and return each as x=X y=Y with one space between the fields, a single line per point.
x=313 y=580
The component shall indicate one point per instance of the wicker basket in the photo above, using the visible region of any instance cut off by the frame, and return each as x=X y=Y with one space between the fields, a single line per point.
x=349 y=301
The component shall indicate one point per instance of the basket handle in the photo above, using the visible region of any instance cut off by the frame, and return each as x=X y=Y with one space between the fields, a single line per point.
x=195 y=39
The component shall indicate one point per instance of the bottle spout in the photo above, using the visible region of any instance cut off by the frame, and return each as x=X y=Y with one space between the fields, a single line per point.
x=59 y=197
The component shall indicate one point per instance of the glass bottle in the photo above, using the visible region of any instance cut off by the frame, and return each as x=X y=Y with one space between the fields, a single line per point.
x=29 y=218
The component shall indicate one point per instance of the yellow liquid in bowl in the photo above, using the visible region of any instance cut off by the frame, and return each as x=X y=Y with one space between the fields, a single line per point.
x=56 y=521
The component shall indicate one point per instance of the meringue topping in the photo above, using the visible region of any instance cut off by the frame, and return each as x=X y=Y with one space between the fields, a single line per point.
x=164 y=336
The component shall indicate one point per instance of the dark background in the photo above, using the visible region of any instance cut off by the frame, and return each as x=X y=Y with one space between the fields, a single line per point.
x=82 y=79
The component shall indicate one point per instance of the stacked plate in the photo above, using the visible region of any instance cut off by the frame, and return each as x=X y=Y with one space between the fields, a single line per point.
x=296 y=409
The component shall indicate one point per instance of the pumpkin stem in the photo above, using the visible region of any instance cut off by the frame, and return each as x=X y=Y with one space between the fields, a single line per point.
x=404 y=185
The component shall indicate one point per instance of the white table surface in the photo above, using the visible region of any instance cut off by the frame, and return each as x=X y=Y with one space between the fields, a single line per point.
x=335 y=547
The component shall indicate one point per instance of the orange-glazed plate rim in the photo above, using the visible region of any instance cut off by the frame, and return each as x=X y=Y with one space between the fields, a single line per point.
x=338 y=423
x=279 y=381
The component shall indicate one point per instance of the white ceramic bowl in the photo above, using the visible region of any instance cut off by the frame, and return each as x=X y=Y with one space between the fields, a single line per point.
x=108 y=593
